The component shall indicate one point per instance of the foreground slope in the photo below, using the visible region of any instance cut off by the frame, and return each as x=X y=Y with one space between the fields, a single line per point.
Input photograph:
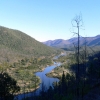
x=15 y=44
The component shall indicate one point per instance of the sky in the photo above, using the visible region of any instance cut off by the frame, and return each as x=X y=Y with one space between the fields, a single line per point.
x=51 y=19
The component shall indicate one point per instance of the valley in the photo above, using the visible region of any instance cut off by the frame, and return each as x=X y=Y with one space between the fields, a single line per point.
x=22 y=57
x=49 y=50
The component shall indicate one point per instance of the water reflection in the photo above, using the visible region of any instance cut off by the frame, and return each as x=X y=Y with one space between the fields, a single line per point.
x=47 y=81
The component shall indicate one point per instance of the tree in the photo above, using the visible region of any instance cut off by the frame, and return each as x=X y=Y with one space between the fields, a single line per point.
x=77 y=23
x=8 y=86
x=63 y=83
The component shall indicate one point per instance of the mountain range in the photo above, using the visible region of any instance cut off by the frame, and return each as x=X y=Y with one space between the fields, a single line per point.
x=15 y=45
x=61 y=43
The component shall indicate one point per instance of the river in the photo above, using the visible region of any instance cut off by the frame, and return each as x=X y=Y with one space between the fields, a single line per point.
x=47 y=82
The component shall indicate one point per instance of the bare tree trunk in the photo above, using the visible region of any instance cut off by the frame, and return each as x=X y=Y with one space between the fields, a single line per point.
x=77 y=20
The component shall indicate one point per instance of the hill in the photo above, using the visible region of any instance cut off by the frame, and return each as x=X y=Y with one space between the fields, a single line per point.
x=60 y=43
x=15 y=45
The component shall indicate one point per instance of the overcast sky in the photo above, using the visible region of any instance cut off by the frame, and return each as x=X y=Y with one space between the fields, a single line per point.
x=50 y=19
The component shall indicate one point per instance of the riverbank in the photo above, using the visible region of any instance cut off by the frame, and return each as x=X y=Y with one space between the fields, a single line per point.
x=45 y=81
x=31 y=86
x=29 y=89
x=66 y=61
x=23 y=72
x=46 y=73
x=55 y=74
x=58 y=71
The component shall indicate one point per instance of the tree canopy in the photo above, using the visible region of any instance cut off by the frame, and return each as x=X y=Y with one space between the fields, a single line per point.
x=8 y=86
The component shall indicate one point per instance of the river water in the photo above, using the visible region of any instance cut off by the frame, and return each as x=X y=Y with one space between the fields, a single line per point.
x=47 y=82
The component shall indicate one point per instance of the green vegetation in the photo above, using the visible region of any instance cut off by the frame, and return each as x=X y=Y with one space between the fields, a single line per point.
x=8 y=87
x=24 y=70
x=15 y=45
x=72 y=87
x=71 y=59
x=21 y=56
x=66 y=61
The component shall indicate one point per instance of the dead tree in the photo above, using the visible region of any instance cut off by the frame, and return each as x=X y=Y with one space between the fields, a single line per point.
x=77 y=23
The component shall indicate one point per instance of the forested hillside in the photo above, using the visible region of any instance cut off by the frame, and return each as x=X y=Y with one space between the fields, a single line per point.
x=15 y=45
x=20 y=57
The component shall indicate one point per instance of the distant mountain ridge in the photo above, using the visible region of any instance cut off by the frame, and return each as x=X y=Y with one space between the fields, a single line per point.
x=60 y=43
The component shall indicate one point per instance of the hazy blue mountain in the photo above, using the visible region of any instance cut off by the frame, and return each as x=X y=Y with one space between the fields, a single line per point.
x=57 y=43
x=60 y=43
